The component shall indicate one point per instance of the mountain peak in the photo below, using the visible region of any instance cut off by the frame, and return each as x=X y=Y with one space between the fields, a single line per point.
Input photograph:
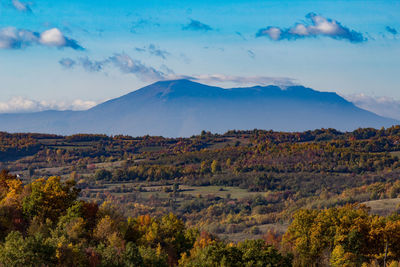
x=175 y=82
x=179 y=88
x=184 y=107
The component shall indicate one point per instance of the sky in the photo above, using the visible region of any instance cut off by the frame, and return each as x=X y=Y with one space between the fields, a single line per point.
x=73 y=54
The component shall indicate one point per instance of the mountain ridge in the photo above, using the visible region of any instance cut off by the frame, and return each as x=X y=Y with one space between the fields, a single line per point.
x=183 y=108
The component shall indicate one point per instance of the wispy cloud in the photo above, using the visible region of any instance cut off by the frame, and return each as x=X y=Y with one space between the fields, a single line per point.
x=251 y=53
x=22 y=104
x=21 y=6
x=384 y=106
x=140 y=50
x=91 y=65
x=142 y=23
x=86 y=63
x=123 y=62
x=241 y=35
x=195 y=25
x=67 y=62
x=126 y=64
x=185 y=58
x=317 y=26
x=243 y=80
x=13 y=38
x=154 y=50
x=391 y=30
x=221 y=49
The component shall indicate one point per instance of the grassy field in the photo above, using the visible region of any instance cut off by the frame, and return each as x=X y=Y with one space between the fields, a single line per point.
x=234 y=192
x=195 y=191
x=249 y=233
x=383 y=207
x=395 y=153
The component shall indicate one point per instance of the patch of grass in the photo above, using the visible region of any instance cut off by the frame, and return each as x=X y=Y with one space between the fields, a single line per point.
x=235 y=192
x=246 y=234
x=395 y=153
x=383 y=207
x=151 y=149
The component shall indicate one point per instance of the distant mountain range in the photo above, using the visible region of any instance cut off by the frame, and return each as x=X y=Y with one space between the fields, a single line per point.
x=183 y=108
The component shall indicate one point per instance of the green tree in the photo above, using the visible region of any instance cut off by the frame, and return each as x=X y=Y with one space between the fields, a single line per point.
x=256 y=253
x=31 y=251
x=103 y=174
x=215 y=167
x=49 y=198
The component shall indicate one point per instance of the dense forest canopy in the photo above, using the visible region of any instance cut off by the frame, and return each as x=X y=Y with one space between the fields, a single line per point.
x=45 y=224
x=102 y=200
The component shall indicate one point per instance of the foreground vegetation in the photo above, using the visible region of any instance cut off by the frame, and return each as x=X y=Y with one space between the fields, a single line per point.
x=231 y=187
x=44 y=224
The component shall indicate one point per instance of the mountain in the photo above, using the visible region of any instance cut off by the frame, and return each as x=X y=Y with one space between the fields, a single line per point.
x=183 y=108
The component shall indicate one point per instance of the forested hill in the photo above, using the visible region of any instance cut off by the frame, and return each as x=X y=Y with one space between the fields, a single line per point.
x=183 y=108
x=18 y=145
x=97 y=200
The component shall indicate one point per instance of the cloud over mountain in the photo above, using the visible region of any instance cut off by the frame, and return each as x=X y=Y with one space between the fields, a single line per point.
x=384 y=106
x=317 y=26
x=13 y=38
x=21 y=104
x=242 y=80
x=126 y=64
x=121 y=61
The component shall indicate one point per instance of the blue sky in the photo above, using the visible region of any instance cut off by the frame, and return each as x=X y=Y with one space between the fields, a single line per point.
x=72 y=54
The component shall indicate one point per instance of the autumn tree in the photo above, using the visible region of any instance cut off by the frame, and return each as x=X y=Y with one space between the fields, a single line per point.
x=49 y=198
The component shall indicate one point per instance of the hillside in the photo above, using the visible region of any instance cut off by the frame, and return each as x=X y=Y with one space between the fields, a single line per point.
x=259 y=177
x=233 y=186
x=183 y=108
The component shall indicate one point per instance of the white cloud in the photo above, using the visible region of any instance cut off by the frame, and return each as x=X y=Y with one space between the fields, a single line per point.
x=79 y=104
x=22 y=104
x=13 y=38
x=318 y=26
x=20 y=6
x=384 y=106
x=273 y=32
x=52 y=37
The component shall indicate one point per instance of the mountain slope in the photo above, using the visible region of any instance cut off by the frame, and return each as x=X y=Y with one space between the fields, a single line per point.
x=183 y=108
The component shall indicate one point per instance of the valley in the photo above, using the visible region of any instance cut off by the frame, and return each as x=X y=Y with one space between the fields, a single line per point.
x=226 y=184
